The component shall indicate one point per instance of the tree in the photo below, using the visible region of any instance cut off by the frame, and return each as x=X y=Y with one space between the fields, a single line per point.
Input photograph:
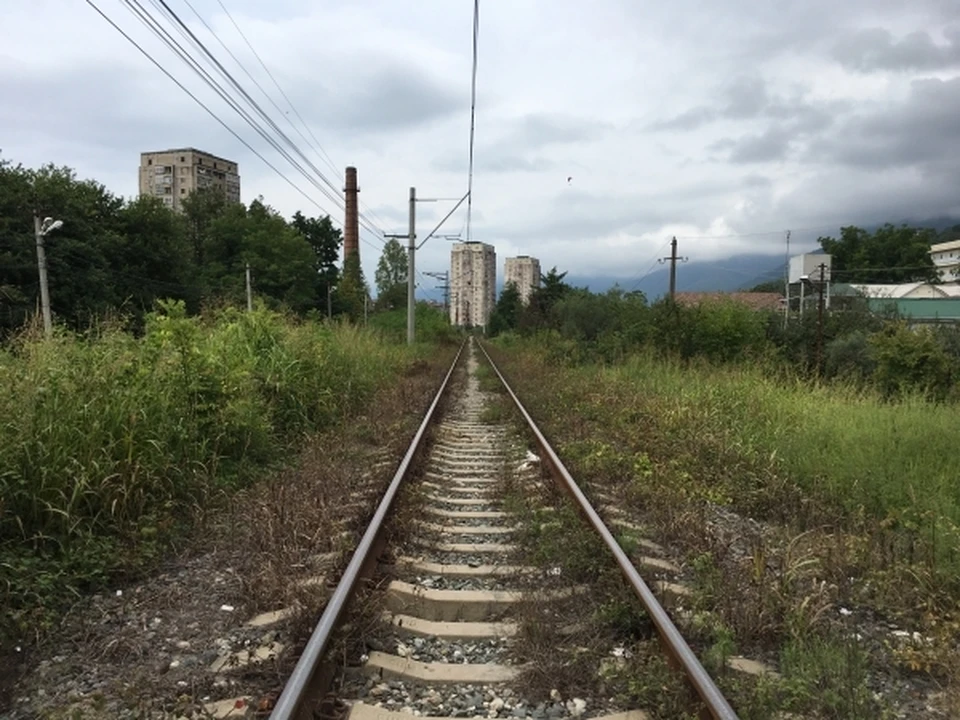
x=552 y=289
x=391 y=276
x=890 y=255
x=325 y=240
x=506 y=313
x=352 y=291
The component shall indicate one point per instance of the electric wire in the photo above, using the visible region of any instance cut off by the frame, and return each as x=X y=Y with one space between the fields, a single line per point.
x=204 y=106
x=317 y=148
x=473 y=112
x=190 y=37
x=144 y=16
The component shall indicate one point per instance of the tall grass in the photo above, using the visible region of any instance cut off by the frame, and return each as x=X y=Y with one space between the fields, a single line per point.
x=111 y=438
x=867 y=456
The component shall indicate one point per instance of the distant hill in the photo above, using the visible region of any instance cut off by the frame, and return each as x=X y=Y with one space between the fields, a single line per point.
x=734 y=273
x=738 y=272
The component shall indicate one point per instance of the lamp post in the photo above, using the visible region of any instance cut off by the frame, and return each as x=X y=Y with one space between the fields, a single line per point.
x=41 y=230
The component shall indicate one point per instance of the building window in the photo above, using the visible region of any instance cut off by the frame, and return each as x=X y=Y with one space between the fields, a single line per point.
x=149 y=162
x=182 y=159
x=214 y=163
x=183 y=191
x=199 y=161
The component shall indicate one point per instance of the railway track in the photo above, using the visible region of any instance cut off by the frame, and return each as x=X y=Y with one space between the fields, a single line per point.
x=447 y=587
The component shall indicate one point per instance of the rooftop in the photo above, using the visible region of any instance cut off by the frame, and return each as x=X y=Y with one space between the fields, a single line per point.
x=942 y=247
x=188 y=150
x=755 y=301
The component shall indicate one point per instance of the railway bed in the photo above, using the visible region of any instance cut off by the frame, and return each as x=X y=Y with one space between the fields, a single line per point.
x=441 y=585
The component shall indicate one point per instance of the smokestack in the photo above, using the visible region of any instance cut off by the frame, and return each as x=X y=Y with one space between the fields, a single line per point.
x=351 y=226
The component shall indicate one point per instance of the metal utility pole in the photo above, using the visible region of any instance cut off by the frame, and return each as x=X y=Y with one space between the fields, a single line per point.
x=445 y=277
x=673 y=268
x=411 y=269
x=820 y=288
x=40 y=231
x=249 y=291
x=786 y=284
x=329 y=300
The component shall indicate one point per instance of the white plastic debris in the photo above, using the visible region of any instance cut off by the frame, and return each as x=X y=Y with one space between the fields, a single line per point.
x=119 y=593
x=845 y=612
x=531 y=458
x=555 y=571
x=227 y=608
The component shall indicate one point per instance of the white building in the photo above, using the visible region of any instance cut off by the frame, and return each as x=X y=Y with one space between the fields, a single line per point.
x=473 y=283
x=524 y=272
x=905 y=291
x=946 y=256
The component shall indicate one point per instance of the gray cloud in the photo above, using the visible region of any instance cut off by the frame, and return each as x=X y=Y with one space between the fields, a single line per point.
x=386 y=98
x=920 y=132
x=747 y=139
x=876 y=49
x=519 y=147
x=771 y=145
x=748 y=98
x=687 y=120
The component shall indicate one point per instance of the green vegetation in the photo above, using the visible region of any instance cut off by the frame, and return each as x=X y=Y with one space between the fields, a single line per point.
x=857 y=496
x=120 y=256
x=110 y=442
x=432 y=325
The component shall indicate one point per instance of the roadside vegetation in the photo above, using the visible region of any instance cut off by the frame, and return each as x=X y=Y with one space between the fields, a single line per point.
x=811 y=498
x=111 y=443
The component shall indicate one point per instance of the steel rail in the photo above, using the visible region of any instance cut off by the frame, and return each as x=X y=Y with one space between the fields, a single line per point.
x=678 y=649
x=298 y=686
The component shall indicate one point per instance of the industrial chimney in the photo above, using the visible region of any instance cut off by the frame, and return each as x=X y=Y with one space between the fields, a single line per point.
x=351 y=227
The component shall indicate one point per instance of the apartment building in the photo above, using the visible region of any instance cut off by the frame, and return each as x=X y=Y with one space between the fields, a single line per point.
x=172 y=175
x=946 y=256
x=473 y=283
x=524 y=272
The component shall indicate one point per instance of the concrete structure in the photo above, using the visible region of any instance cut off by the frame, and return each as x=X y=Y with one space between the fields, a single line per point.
x=946 y=256
x=524 y=272
x=808 y=265
x=172 y=175
x=351 y=220
x=473 y=283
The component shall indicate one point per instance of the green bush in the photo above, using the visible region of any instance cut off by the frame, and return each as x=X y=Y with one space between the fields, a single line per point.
x=850 y=357
x=107 y=440
x=432 y=325
x=911 y=360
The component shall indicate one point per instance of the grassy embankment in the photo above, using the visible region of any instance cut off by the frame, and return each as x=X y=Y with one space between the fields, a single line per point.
x=861 y=493
x=111 y=445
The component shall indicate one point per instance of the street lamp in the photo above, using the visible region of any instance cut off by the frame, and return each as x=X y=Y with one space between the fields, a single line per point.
x=41 y=230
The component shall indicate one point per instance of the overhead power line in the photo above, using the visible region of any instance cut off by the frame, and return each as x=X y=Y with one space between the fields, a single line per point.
x=315 y=145
x=473 y=111
x=156 y=27
x=185 y=32
x=204 y=106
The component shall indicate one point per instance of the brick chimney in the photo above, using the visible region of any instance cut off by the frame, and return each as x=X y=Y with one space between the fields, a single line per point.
x=351 y=226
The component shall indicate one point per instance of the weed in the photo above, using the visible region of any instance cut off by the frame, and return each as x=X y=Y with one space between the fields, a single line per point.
x=110 y=443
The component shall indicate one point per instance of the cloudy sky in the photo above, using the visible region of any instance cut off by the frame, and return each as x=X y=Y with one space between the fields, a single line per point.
x=724 y=123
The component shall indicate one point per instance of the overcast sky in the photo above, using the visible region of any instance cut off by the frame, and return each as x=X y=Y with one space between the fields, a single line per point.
x=724 y=123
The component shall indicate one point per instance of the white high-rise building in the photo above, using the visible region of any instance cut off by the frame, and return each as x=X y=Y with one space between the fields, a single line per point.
x=524 y=272
x=473 y=283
